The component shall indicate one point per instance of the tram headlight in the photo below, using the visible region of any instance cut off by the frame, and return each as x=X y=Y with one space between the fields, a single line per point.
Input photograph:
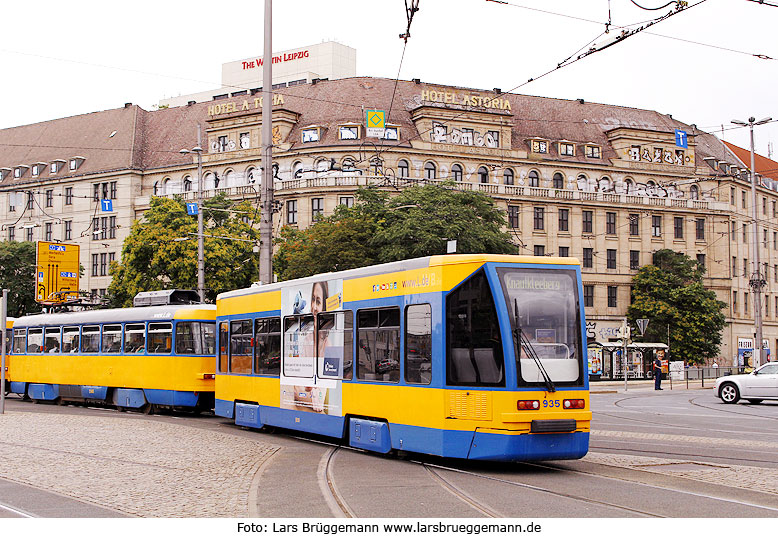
x=574 y=403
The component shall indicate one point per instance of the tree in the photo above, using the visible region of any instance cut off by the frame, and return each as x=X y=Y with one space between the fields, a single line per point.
x=161 y=250
x=17 y=275
x=671 y=292
x=381 y=228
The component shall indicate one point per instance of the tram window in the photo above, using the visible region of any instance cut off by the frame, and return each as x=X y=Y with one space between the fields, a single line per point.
x=224 y=339
x=20 y=341
x=160 y=337
x=112 y=338
x=209 y=340
x=51 y=340
x=90 y=339
x=473 y=342
x=418 y=344
x=135 y=338
x=298 y=346
x=34 y=340
x=241 y=341
x=70 y=336
x=188 y=337
x=379 y=345
x=267 y=353
x=335 y=344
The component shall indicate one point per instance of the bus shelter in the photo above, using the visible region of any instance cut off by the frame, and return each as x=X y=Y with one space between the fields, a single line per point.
x=609 y=362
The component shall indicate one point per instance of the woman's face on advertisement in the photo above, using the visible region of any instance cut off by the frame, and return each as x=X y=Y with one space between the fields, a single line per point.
x=317 y=299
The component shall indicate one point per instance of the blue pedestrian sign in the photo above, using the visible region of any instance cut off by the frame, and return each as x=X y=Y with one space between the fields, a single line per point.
x=681 y=139
x=106 y=205
x=191 y=209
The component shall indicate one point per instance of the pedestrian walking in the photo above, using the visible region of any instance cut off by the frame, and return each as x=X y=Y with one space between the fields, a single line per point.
x=657 y=374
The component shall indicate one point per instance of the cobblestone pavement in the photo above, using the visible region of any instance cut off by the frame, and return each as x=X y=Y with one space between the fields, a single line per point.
x=140 y=467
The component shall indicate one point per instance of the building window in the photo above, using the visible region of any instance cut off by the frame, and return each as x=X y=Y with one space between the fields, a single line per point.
x=349 y=132
x=587 y=221
x=49 y=198
x=507 y=177
x=30 y=201
x=701 y=261
x=347 y=201
x=69 y=195
x=391 y=133
x=68 y=230
x=513 y=217
x=483 y=175
x=534 y=179
x=745 y=267
x=244 y=140
x=95 y=264
x=588 y=255
x=699 y=227
x=566 y=149
x=403 y=169
x=745 y=233
x=430 y=171
x=564 y=219
x=656 y=226
x=539 y=218
x=48 y=231
x=113 y=190
x=743 y=197
x=610 y=223
x=588 y=296
x=612 y=290
x=317 y=209
x=28 y=234
x=634 y=225
x=694 y=192
x=732 y=196
x=564 y=251
x=734 y=266
x=291 y=211
x=539 y=250
x=456 y=172
x=745 y=302
x=611 y=258
x=734 y=302
x=310 y=135
x=592 y=151
x=678 y=227
x=539 y=147
x=12 y=233
x=559 y=181
x=634 y=259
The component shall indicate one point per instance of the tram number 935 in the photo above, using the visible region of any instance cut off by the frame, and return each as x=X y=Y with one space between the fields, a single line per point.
x=552 y=403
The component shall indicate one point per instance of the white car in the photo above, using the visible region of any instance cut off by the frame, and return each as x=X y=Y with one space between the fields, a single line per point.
x=761 y=384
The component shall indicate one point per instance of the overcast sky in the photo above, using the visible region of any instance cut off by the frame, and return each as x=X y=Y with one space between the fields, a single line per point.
x=67 y=58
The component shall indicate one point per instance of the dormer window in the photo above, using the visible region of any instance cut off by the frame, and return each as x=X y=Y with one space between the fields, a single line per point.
x=592 y=151
x=311 y=134
x=75 y=162
x=56 y=166
x=566 y=148
x=38 y=168
x=347 y=133
x=19 y=170
x=539 y=147
x=4 y=172
x=392 y=133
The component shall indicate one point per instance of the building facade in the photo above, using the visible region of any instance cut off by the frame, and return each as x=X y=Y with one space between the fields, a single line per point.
x=609 y=185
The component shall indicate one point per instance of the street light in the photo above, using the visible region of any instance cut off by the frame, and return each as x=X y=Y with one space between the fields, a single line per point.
x=757 y=281
x=198 y=150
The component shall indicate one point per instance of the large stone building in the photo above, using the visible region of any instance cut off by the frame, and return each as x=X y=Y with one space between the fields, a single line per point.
x=607 y=184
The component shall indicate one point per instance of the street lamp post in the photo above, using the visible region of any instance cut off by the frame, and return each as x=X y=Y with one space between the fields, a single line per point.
x=757 y=281
x=198 y=150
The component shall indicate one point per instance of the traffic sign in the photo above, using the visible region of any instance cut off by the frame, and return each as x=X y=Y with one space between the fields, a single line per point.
x=681 y=139
x=106 y=205
x=191 y=209
x=642 y=324
x=58 y=269
x=376 y=123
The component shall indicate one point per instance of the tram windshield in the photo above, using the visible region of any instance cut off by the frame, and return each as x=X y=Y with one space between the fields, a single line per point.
x=546 y=303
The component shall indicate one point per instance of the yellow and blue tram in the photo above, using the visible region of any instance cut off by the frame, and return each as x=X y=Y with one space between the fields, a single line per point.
x=468 y=356
x=134 y=358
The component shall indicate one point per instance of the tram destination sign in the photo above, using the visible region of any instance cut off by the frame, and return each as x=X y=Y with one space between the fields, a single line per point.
x=57 y=269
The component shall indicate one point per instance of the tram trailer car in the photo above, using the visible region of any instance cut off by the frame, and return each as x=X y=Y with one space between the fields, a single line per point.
x=468 y=356
x=136 y=358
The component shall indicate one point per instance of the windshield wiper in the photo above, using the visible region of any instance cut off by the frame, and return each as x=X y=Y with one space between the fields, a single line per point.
x=521 y=341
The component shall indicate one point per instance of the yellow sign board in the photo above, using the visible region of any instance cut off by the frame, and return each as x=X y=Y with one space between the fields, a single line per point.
x=376 y=119
x=57 y=272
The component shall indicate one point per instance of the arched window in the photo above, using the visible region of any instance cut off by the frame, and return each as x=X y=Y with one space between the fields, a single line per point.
x=507 y=176
x=559 y=181
x=156 y=188
x=297 y=169
x=456 y=172
x=252 y=175
x=166 y=186
x=232 y=178
x=429 y=170
x=187 y=183
x=605 y=184
x=403 y=169
x=483 y=175
x=630 y=185
x=534 y=179
x=209 y=181
x=694 y=192
x=323 y=165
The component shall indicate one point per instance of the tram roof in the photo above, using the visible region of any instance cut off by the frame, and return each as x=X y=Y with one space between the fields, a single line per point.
x=399 y=266
x=120 y=315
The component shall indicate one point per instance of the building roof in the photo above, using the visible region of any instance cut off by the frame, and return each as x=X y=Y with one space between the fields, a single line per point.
x=763 y=166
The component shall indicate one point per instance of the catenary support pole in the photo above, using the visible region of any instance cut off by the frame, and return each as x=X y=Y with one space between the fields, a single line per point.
x=266 y=222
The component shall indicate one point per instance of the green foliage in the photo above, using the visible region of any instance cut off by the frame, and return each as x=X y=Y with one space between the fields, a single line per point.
x=381 y=228
x=161 y=250
x=17 y=275
x=671 y=292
